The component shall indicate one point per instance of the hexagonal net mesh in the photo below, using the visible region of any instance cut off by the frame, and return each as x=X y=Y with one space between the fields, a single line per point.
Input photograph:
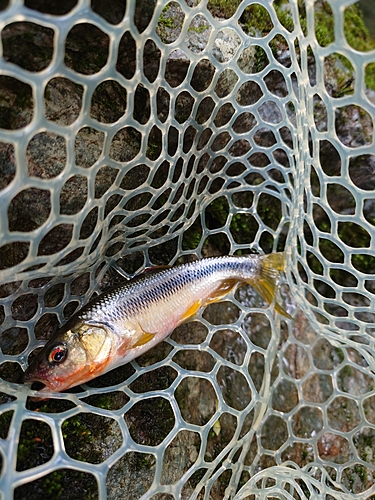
x=145 y=133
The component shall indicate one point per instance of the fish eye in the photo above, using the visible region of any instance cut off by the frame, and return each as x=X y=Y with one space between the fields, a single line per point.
x=57 y=355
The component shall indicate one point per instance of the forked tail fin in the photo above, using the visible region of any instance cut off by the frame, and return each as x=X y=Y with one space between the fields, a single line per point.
x=270 y=267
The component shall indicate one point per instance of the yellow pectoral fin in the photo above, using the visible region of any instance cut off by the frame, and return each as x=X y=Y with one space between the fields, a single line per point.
x=144 y=338
x=191 y=311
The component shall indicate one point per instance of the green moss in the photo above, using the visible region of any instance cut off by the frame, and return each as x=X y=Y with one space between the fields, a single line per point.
x=35 y=444
x=324 y=23
x=363 y=262
x=284 y=15
x=143 y=461
x=5 y=419
x=361 y=471
x=153 y=150
x=192 y=236
x=269 y=210
x=370 y=76
x=199 y=29
x=168 y=22
x=255 y=20
x=355 y=30
x=223 y=8
x=354 y=235
x=84 y=434
x=261 y=59
x=61 y=483
x=314 y=264
x=217 y=212
x=244 y=228
x=331 y=251
x=52 y=484
x=346 y=371
x=340 y=354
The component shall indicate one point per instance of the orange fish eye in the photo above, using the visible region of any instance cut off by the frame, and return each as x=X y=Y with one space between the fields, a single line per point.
x=57 y=355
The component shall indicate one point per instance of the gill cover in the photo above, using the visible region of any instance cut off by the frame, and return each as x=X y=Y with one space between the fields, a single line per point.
x=71 y=357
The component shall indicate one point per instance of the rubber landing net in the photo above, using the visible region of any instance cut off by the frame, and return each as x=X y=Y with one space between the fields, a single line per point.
x=145 y=133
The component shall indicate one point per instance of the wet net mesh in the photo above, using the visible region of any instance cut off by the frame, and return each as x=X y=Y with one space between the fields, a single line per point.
x=145 y=133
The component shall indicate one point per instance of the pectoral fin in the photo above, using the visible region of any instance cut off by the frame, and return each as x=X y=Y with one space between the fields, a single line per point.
x=145 y=337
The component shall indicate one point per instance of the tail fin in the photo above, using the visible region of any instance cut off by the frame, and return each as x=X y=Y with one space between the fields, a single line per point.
x=270 y=267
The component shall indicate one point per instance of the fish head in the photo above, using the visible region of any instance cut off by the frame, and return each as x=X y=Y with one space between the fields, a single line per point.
x=72 y=357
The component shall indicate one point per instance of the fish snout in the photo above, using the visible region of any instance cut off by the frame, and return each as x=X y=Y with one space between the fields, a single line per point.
x=36 y=372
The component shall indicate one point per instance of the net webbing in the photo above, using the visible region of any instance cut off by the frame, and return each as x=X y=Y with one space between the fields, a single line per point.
x=149 y=133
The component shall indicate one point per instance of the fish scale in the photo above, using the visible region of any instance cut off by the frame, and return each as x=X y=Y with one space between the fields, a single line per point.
x=123 y=323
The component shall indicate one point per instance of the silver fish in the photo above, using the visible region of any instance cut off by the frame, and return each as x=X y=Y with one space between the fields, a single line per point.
x=128 y=320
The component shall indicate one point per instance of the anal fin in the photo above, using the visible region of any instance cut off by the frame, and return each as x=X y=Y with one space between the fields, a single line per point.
x=191 y=311
x=225 y=287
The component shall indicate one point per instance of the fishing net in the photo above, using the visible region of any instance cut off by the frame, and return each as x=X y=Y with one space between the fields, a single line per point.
x=145 y=133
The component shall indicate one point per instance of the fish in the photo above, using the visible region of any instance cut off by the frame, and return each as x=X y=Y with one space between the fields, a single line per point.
x=126 y=321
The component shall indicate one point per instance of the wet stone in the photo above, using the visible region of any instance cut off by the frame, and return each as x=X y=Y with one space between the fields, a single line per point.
x=220 y=436
x=317 y=388
x=196 y=399
x=16 y=109
x=62 y=101
x=234 y=387
x=307 y=422
x=14 y=340
x=7 y=164
x=150 y=420
x=131 y=476
x=88 y=146
x=192 y=332
x=326 y=356
x=28 y=45
x=299 y=453
x=297 y=364
x=357 y=478
x=46 y=155
x=274 y=432
x=216 y=313
x=256 y=369
x=229 y=345
x=258 y=328
x=354 y=381
x=154 y=380
x=179 y=456
x=91 y=438
x=194 y=360
x=285 y=396
x=334 y=448
x=343 y=414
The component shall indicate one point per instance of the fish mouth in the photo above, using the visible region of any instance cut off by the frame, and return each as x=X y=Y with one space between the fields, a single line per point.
x=37 y=384
x=39 y=387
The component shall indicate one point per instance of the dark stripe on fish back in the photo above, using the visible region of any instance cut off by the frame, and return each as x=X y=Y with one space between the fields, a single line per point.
x=131 y=298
